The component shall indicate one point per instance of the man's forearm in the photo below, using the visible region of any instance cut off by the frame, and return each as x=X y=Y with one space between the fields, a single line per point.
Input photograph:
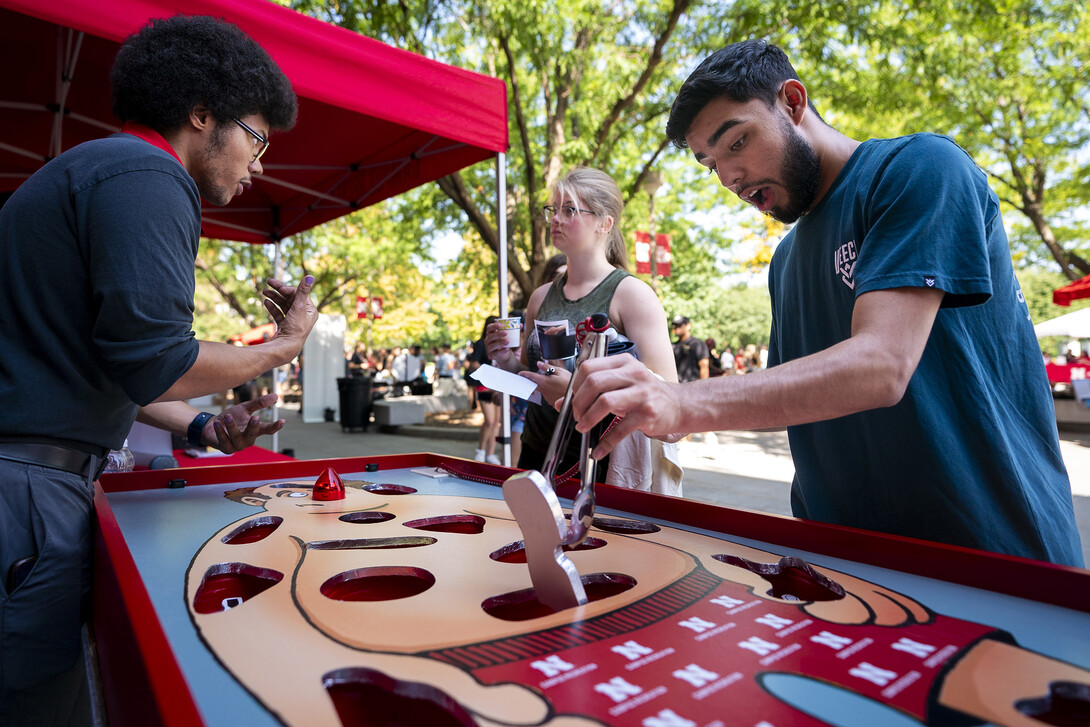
x=173 y=416
x=220 y=366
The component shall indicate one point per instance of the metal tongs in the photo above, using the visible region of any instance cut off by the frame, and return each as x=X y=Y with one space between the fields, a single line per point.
x=594 y=346
x=532 y=498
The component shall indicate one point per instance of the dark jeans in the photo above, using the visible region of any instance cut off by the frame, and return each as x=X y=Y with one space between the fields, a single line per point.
x=44 y=513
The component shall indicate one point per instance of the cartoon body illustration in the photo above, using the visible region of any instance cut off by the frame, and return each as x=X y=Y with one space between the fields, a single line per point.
x=389 y=599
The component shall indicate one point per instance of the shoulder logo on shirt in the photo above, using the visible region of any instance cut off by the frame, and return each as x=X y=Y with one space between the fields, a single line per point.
x=844 y=263
x=929 y=281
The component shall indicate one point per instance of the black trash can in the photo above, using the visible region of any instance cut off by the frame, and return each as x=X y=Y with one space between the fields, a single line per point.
x=355 y=394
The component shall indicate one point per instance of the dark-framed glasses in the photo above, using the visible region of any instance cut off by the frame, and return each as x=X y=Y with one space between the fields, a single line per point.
x=565 y=213
x=261 y=142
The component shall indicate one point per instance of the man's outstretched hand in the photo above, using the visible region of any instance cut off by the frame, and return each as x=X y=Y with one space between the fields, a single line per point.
x=623 y=386
x=239 y=426
x=291 y=309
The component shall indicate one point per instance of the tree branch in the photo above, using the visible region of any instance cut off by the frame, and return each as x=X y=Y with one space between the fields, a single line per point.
x=230 y=298
x=622 y=104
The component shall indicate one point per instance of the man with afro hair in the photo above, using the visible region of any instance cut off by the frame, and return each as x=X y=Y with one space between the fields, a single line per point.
x=97 y=252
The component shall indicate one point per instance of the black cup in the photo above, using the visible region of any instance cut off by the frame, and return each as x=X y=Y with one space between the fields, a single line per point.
x=557 y=346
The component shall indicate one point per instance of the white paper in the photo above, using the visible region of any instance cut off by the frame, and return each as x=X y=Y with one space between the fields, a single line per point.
x=431 y=472
x=504 y=381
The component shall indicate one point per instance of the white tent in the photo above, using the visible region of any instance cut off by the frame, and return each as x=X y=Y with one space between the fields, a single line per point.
x=1072 y=325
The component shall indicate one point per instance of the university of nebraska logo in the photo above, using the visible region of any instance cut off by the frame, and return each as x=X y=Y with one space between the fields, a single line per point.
x=844 y=263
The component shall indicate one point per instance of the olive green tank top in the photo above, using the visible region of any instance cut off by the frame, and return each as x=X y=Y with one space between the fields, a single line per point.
x=541 y=419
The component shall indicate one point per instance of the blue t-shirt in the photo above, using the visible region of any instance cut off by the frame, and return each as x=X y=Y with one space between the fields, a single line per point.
x=970 y=455
x=96 y=291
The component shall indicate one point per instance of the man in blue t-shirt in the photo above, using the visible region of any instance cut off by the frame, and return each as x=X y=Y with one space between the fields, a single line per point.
x=97 y=253
x=902 y=359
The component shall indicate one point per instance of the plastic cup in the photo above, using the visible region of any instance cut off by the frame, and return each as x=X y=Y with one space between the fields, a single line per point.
x=513 y=328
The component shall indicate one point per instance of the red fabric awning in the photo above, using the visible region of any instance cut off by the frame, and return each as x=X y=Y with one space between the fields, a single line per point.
x=260 y=334
x=1072 y=291
x=374 y=121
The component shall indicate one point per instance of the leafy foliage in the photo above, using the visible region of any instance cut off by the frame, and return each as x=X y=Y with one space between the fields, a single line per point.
x=591 y=82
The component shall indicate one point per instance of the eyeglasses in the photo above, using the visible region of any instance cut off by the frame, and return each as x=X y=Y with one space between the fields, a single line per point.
x=566 y=213
x=260 y=141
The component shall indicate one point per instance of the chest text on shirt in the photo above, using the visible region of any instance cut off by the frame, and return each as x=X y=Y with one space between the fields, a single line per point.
x=844 y=263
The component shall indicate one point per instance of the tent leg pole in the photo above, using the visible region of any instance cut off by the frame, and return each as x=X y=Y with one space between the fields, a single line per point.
x=277 y=262
x=501 y=228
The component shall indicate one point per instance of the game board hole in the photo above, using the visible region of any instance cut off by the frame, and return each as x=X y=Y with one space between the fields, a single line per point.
x=380 y=583
x=367 y=518
x=228 y=585
x=624 y=527
x=523 y=605
x=253 y=530
x=370 y=698
x=1066 y=705
x=465 y=524
x=792 y=579
x=389 y=489
x=516 y=552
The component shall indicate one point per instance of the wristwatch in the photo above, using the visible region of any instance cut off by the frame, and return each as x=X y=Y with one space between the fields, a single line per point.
x=196 y=428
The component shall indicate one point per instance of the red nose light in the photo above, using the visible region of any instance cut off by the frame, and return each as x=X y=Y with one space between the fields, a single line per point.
x=329 y=486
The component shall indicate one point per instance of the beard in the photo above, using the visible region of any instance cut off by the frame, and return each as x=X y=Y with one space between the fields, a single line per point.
x=210 y=190
x=801 y=172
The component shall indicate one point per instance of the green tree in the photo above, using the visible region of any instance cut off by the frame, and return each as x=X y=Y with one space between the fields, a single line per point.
x=376 y=251
x=1004 y=78
x=587 y=84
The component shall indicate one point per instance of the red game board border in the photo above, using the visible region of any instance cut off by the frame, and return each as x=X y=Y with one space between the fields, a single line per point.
x=145 y=685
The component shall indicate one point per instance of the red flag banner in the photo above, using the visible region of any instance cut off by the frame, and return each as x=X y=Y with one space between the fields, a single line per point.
x=643 y=252
x=368 y=307
x=663 y=258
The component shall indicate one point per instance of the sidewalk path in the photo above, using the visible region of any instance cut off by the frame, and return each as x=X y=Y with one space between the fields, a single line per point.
x=747 y=470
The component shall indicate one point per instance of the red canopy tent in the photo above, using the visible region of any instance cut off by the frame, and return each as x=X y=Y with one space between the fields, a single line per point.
x=1072 y=291
x=374 y=121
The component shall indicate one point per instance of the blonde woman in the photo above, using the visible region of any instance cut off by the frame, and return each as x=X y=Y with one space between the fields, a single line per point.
x=584 y=215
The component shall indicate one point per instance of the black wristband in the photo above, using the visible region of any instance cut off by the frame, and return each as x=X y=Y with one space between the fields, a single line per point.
x=196 y=428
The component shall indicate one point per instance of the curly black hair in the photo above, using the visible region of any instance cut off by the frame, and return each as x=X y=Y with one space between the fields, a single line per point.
x=171 y=65
x=750 y=69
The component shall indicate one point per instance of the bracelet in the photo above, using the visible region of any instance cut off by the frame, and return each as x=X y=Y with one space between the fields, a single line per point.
x=196 y=428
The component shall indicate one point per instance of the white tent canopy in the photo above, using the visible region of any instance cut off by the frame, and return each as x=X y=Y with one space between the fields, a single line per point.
x=1072 y=325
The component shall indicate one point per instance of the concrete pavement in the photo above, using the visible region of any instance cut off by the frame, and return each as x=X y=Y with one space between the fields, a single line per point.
x=748 y=470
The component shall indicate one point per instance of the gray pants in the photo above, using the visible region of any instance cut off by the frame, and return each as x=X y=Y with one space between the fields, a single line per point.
x=44 y=514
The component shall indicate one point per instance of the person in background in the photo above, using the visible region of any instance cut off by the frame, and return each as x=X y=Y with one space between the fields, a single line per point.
x=519 y=406
x=467 y=366
x=714 y=367
x=357 y=362
x=584 y=215
x=740 y=361
x=690 y=353
x=726 y=361
x=897 y=267
x=489 y=401
x=407 y=367
x=97 y=252
x=444 y=364
x=555 y=266
x=752 y=359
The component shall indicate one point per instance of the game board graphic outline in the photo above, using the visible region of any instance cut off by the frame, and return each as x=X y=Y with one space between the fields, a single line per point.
x=668 y=538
